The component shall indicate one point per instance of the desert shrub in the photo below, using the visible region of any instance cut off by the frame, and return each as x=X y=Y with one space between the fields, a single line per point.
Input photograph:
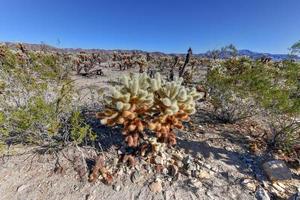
x=231 y=102
x=36 y=95
x=281 y=102
x=146 y=106
x=80 y=131
x=274 y=89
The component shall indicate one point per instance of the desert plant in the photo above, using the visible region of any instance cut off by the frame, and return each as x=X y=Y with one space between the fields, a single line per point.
x=36 y=95
x=80 y=131
x=295 y=48
x=272 y=88
x=231 y=101
x=142 y=103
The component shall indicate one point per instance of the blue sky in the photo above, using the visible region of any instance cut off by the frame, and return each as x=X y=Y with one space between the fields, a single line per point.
x=153 y=25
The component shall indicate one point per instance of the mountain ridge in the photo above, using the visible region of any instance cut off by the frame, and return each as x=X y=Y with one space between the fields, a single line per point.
x=241 y=52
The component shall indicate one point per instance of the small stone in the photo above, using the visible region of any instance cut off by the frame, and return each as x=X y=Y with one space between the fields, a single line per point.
x=164 y=171
x=261 y=194
x=120 y=172
x=90 y=196
x=120 y=152
x=207 y=166
x=200 y=156
x=21 y=188
x=149 y=169
x=158 y=168
x=164 y=156
x=76 y=188
x=278 y=187
x=136 y=177
x=158 y=160
x=203 y=174
x=156 y=187
x=117 y=187
x=249 y=184
x=169 y=195
x=179 y=164
x=157 y=178
x=195 y=183
x=227 y=148
x=173 y=170
x=277 y=170
x=281 y=184
x=191 y=166
x=137 y=167
x=116 y=161
x=178 y=155
x=187 y=160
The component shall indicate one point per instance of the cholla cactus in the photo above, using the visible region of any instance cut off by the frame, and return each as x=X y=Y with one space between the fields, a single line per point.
x=144 y=103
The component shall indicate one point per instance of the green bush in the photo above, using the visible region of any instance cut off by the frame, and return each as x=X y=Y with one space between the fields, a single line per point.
x=80 y=131
x=36 y=95
x=271 y=87
x=224 y=82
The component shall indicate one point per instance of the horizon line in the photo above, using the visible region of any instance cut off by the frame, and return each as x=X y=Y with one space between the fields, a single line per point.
x=148 y=51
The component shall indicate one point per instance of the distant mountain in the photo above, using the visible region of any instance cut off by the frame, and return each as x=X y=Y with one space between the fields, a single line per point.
x=224 y=54
x=255 y=55
x=252 y=55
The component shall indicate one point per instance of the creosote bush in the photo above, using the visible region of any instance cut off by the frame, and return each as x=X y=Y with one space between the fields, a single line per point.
x=141 y=103
x=80 y=131
x=232 y=103
x=271 y=88
x=36 y=95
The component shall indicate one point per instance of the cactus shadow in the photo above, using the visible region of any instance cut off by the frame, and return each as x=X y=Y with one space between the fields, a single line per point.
x=204 y=116
x=107 y=137
x=246 y=163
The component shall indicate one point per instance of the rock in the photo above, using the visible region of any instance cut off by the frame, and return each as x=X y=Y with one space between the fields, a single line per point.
x=187 y=160
x=169 y=195
x=165 y=171
x=278 y=187
x=249 y=184
x=198 y=167
x=90 y=196
x=178 y=155
x=149 y=169
x=156 y=187
x=117 y=187
x=203 y=174
x=75 y=187
x=21 y=188
x=261 y=194
x=173 y=170
x=137 y=167
x=200 y=156
x=207 y=166
x=116 y=161
x=195 y=183
x=159 y=168
x=136 y=177
x=277 y=170
x=228 y=148
x=295 y=196
x=120 y=172
x=158 y=160
x=179 y=164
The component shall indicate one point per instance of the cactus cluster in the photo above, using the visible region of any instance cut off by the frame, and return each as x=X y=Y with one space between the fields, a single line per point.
x=142 y=103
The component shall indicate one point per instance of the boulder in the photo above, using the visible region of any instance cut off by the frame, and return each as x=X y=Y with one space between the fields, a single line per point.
x=277 y=170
